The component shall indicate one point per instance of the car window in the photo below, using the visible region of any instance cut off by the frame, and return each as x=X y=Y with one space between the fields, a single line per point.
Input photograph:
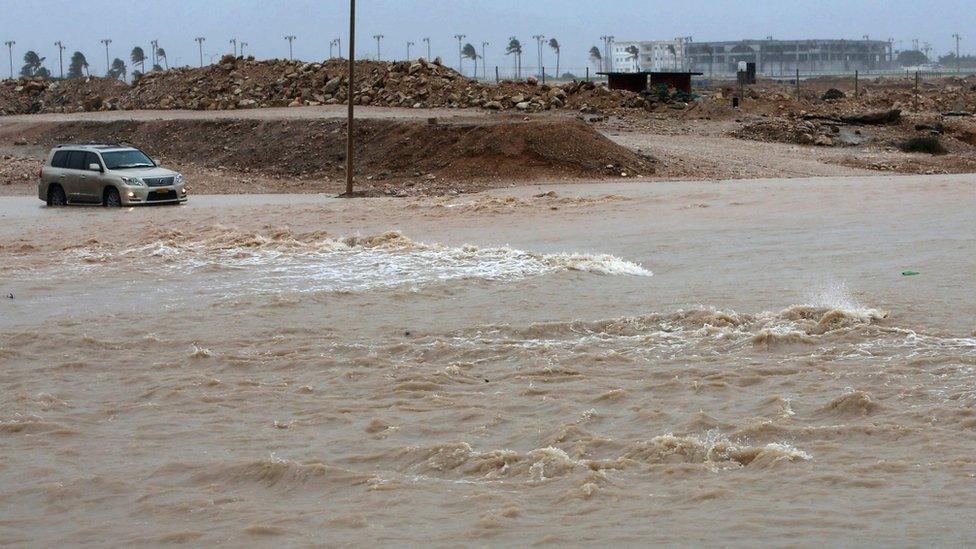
x=60 y=159
x=76 y=160
x=90 y=159
x=120 y=160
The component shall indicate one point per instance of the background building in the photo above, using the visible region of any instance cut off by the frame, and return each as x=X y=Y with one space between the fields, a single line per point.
x=783 y=57
x=654 y=55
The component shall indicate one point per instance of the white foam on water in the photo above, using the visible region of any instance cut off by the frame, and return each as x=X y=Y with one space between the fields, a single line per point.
x=354 y=264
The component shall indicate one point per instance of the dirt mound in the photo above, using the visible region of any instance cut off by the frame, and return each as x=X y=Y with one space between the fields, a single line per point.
x=423 y=157
x=38 y=95
x=238 y=83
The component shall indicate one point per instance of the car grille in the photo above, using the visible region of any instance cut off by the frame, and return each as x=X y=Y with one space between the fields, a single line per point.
x=158 y=181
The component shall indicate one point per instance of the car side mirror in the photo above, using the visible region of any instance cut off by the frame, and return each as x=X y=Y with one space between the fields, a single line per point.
x=94 y=167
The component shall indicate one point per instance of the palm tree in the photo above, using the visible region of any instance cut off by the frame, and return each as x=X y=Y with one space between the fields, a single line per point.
x=138 y=57
x=554 y=44
x=78 y=65
x=596 y=57
x=468 y=52
x=635 y=55
x=515 y=48
x=118 y=69
x=161 y=54
x=33 y=65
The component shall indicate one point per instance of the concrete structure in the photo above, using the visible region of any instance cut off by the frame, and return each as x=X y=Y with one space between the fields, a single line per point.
x=642 y=81
x=784 y=57
x=654 y=56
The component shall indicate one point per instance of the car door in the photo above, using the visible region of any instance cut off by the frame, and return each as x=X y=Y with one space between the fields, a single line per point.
x=55 y=173
x=71 y=176
x=90 y=181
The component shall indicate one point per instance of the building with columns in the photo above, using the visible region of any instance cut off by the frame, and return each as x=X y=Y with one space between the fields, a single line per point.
x=784 y=57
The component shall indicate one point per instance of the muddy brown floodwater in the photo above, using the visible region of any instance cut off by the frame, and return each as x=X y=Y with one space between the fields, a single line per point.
x=725 y=363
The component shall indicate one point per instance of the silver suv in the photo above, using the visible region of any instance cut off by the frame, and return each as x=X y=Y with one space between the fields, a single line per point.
x=110 y=175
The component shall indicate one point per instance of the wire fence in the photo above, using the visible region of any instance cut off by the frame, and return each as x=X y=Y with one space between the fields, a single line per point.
x=498 y=73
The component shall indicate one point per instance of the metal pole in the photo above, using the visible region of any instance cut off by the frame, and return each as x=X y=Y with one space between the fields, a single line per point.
x=797 y=84
x=958 y=60
x=497 y=79
x=10 y=51
x=857 y=90
x=587 y=74
x=484 y=61
x=200 y=41
x=461 y=37
x=916 y=91
x=291 y=51
x=108 y=64
x=60 y=57
x=349 y=96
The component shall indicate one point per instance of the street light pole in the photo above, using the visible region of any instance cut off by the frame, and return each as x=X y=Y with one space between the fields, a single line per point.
x=108 y=64
x=243 y=45
x=234 y=42
x=378 y=37
x=958 y=60
x=427 y=40
x=408 y=49
x=291 y=54
x=61 y=49
x=607 y=59
x=484 y=60
x=460 y=37
x=538 y=48
x=155 y=47
x=200 y=40
x=10 y=51
x=349 y=97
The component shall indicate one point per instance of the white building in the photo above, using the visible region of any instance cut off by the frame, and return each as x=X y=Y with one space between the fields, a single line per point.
x=653 y=56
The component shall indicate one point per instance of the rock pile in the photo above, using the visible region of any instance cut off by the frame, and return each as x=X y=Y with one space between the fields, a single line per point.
x=245 y=83
x=239 y=83
x=37 y=95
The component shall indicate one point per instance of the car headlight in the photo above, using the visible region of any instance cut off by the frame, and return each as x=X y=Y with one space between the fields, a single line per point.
x=133 y=182
x=178 y=179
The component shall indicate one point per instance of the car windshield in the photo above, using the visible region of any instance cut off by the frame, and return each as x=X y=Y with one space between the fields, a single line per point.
x=120 y=160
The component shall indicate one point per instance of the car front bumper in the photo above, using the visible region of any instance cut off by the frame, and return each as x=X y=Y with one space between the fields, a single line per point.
x=132 y=196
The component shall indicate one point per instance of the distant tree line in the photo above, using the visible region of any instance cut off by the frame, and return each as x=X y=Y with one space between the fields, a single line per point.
x=78 y=65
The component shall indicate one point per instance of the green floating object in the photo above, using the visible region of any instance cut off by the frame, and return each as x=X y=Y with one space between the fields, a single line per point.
x=910 y=273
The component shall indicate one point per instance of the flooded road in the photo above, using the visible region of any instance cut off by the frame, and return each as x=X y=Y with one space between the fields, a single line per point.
x=685 y=364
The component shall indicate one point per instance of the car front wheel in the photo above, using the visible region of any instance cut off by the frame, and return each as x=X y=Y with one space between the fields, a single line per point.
x=56 y=197
x=112 y=199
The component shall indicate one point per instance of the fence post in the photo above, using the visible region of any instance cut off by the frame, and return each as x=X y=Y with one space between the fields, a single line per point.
x=916 y=91
x=497 y=80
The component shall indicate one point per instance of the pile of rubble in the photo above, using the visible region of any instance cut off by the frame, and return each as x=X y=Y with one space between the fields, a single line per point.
x=38 y=95
x=790 y=130
x=239 y=83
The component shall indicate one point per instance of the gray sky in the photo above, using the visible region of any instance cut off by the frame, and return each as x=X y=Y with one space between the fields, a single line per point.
x=578 y=24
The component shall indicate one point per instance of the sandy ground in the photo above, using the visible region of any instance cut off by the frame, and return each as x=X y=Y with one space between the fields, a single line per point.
x=691 y=363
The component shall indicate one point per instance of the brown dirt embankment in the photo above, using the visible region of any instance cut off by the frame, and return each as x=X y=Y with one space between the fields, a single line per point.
x=392 y=156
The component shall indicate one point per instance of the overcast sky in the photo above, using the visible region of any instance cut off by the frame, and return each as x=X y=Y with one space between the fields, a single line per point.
x=578 y=24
